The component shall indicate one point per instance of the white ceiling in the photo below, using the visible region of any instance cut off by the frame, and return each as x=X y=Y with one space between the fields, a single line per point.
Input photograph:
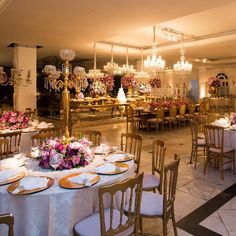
x=76 y=24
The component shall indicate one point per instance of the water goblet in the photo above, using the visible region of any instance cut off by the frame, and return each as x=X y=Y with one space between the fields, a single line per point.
x=56 y=160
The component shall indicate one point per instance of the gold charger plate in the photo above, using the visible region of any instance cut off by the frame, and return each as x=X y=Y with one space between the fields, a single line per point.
x=14 y=179
x=64 y=182
x=116 y=172
x=13 y=186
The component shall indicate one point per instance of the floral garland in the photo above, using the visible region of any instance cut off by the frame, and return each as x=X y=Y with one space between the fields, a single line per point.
x=128 y=81
x=75 y=153
x=108 y=80
x=214 y=82
x=155 y=82
x=13 y=120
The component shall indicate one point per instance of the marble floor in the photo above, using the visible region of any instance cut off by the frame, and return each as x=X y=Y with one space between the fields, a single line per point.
x=204 y=205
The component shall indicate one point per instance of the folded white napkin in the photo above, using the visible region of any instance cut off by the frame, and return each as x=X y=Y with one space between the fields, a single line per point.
x=221 y=122
x=8 y=174
x=233 y=127
x=29 y=183
x=83 y=178
x=42 y=125
x=103 y=148
x=7 y=163
x=105 y=168
x=116 y=157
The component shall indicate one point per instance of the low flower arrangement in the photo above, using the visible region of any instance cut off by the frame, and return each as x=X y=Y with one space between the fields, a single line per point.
x=97 y=88
x=13 y=120
x=167 y=104
x=232 y=119
x=108 y=80
x=144 y=88
x=155 y=105
x=128 y=81
x=155 y=82
x=214 y=82
x=75 y=153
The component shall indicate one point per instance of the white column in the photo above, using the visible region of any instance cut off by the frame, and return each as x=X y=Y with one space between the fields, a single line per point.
x=25 y=59
x=203 y=83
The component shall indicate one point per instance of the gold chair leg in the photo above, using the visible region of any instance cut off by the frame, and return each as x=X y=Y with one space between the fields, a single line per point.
x=141 y=225
x=196 y=156
x=173 y=222
x=164 y=221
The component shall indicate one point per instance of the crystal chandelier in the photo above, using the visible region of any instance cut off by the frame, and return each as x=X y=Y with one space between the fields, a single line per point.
x=141 y=74
x=65 y=79
x=94 y=73
x=154 y=62
x=127 y=69
x=182 y=68
x=112 y=68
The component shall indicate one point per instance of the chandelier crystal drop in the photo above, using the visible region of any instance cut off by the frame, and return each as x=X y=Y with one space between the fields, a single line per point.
x=95 y=73
x=154 y=62
x=182 y=68
x=127 y=69
x=111 y=67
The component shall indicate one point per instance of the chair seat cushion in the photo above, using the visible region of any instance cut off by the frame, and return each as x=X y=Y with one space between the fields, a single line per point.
x=201 y=142
x=151 y=204
x=154 y=120
x=225 y=150
x=201 y=135
x=90 y=226
x=179 y=117
x=168 y=118
x=150 y=182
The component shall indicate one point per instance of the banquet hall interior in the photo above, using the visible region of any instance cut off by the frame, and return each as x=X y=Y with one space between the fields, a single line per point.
x=117 y=117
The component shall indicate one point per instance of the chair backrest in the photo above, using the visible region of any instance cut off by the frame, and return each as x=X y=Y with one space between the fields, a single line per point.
x=129 y=112
x=132 y=143
x=158 y=159
x=169 y=185
x=173 y=111
x=160 y=113
x=182 y=109
x=14 y=141
x=202 y=107
x=214 y=137
x=93 y=136
x=207 y=106
x=4 y=148
x=130 y=192
x=8 y=219
x=194 y=130
x=191 y=108
x=53 y=130
x=38 y=139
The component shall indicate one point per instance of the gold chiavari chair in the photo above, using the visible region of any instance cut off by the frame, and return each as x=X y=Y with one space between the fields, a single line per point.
x=93 y=136
x=158 y=120
x=171 y=119
x=190 y=115
x=153 y=181
x=8 y=219
x=4 y=148
x=53 y=130
x=216 y=150
x=154 y=205
x=112 y=221
x=181 y=117
x=132 y=143
x=134 y=121
x=14 y=141
x=198 y=144
x=38 y=139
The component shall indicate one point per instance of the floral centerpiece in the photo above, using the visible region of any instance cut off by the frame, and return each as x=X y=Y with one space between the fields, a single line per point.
x=167 y=104
x=214 y=82
x=108 y=80
x=155 y=105
x=144 y=88
x=13 y=120
x=97 y=88
x=232 y=119
x=75 y=153
x=155 y=82
x=128 y=81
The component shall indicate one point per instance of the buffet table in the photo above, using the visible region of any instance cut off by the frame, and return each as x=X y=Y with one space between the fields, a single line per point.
x=55 y=210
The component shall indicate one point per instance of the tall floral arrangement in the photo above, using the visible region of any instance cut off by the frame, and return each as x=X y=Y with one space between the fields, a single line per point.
x=128 y=81
x=155 y=82
x=75 y=153
x=214 y=82
x=13 y=120
x=108 y=80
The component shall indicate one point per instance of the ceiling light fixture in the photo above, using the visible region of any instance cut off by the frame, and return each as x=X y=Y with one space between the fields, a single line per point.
x=127 y=69
x=141 y=74
x=182 y=68
x=95 y=73
x=155 y=63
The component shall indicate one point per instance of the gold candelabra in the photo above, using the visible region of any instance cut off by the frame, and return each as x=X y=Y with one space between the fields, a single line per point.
x=65 y=79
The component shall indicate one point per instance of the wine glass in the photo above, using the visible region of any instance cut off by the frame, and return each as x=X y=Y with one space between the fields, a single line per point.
x=56 y=160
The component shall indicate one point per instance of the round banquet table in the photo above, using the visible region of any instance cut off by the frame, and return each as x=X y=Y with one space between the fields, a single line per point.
x=55 y=211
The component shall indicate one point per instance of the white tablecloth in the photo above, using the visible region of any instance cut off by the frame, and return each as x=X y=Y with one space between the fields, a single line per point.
x=54 y=211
